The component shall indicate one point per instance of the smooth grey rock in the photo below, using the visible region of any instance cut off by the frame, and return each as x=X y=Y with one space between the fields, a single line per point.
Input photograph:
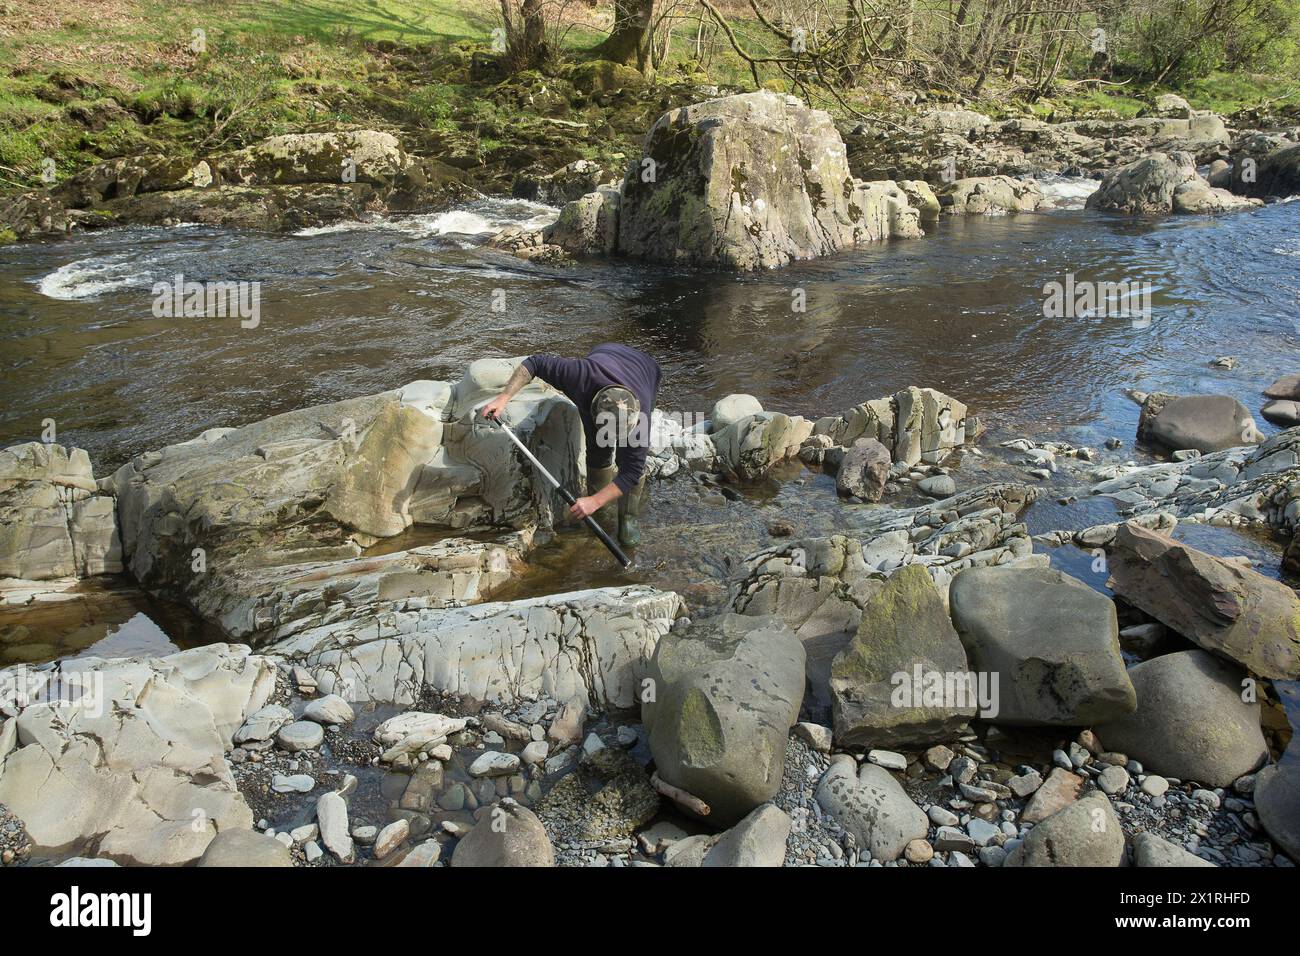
x=1190 y=722
x=1277 y=801
x=506 y=834
x=1207 y=423
x=757 y=840
x=904 y=627
x=870 y=804
x=332 y=815
x=330 y=710
x=1085 y=833
x=1150 y=849
x=244 y=848
x=300 y=735
x=1052 y=640
x=727 y=691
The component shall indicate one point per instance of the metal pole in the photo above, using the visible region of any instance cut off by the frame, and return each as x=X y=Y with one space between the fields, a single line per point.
x=590 y=520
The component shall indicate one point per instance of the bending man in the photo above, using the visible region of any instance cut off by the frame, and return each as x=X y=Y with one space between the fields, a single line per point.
x=614 y=388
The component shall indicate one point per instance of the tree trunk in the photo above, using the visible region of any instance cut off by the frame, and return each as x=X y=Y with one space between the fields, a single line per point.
x=631 y=41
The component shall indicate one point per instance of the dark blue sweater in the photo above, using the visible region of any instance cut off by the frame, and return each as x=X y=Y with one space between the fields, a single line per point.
x=580 y=379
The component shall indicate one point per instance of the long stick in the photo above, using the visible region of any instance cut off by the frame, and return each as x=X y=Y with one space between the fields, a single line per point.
x=591 y=521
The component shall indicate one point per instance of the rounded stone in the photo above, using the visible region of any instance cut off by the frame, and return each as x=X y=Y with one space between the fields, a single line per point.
x=300 y=735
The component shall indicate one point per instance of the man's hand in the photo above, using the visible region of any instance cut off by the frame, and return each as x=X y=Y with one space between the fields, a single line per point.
x=493 y=409
x=584 y=507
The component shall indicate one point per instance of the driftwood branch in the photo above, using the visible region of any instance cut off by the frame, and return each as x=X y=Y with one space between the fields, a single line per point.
x=679 y=796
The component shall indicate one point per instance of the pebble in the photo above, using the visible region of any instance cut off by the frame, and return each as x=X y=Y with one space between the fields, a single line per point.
x=1207 y=797
x=493 y=763
x=938 y=758
x=297 y=783
x=918 y=851
x=984 y=833
x=941 y=817
x=1113 y=780
x=1026 y=783
x=1154 y=785
x=887 y=759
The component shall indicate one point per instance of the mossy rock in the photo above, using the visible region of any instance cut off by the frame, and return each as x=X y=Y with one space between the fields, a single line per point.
x=600 y=77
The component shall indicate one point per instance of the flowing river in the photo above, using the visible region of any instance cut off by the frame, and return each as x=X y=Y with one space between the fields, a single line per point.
x=355 y=309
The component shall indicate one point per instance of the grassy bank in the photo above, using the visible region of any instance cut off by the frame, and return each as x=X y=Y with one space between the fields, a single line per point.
x=82 y=83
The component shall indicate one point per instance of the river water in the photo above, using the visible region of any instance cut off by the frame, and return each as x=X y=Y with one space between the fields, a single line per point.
x=355 y=309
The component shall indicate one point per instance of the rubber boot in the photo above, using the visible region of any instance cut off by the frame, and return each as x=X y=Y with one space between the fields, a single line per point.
x=629 y=513
x=598 y=478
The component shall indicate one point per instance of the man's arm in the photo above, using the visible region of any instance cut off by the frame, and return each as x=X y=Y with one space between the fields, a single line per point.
x=593 y=503
x=518 y=379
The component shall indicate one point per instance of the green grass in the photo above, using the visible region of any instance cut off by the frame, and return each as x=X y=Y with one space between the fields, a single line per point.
x=1230 y=92
x=125 y=80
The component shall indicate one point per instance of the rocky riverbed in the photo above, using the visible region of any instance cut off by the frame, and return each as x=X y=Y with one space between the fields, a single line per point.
x=884 y=634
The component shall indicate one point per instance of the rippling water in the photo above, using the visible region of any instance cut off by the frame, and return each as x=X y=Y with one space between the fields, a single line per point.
x=357 y=308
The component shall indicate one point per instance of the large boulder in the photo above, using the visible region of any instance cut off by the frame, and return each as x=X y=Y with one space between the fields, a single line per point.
x=1196 y=196
x=507 y=834
x=1277 y=801
x=750 y=447
x=869 y=803
x=1219 y=605
x=751 y=181
x=1145 y=185
x=1273 y=170
x=129 y=753
x=915 y=425
x=1205 y=423
x=722 y=696
x=990 y=196
x=881 y=683
x=1191 y=721
x=587 y=226
x=231 y=522
x=819 y=586
x=863 y=471
x=364 y=156
x=53 y=521
x=1086 y=833
x=1052 y=640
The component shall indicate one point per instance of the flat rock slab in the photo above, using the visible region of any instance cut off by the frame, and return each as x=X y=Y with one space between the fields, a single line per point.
x=1225 y=608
